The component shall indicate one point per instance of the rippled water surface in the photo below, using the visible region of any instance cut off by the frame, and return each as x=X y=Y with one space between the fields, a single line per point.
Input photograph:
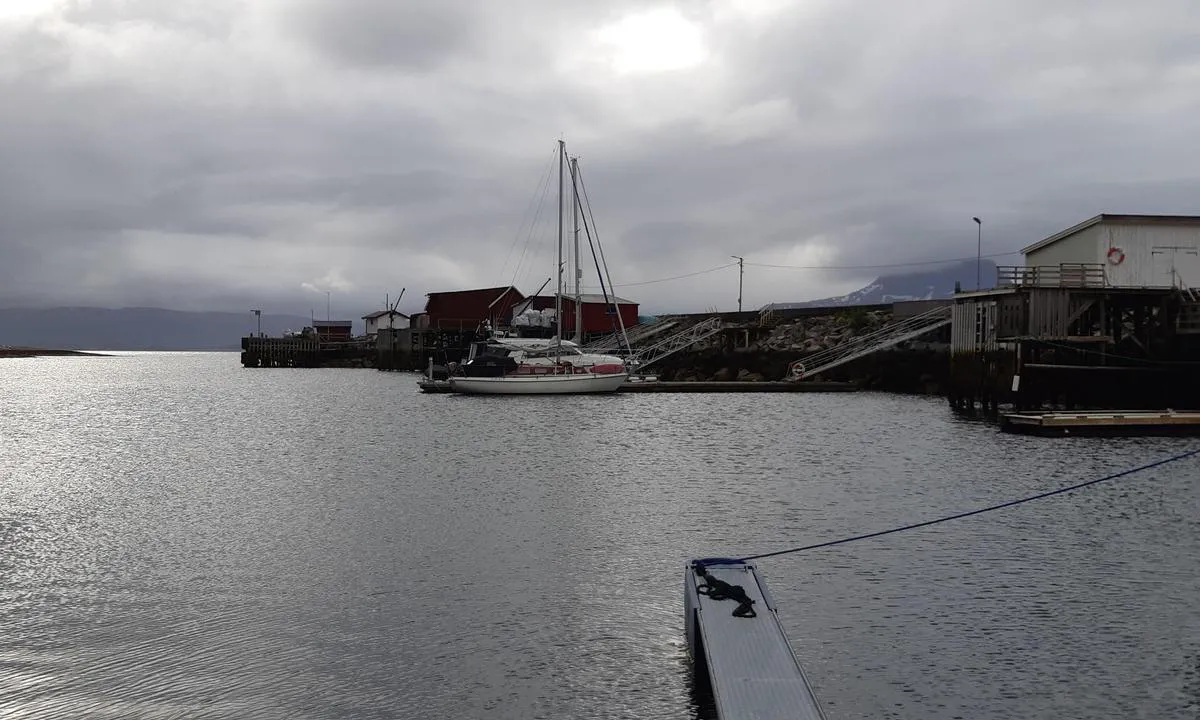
x=183 y=538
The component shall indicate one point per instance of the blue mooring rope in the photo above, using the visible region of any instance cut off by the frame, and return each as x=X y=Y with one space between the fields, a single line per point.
x=980 y=511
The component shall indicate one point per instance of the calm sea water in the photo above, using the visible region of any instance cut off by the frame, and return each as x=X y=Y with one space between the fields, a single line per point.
x=182 y=538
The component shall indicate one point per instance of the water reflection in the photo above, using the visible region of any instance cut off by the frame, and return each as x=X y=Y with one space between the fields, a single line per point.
x=186 y=538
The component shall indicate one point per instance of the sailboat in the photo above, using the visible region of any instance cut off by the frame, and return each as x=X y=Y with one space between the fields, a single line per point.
x=545 y=367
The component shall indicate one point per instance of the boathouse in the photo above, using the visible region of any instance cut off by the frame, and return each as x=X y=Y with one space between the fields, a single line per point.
x=333 y=330
x=467 y=309
x=384 y=320
x=1101 y=315
x=1131 y=251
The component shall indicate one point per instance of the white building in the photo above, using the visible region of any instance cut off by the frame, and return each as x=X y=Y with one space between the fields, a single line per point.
x=1134 y=250
x=384 y=320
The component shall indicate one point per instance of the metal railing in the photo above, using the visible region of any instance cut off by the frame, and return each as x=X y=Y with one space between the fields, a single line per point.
x=1190 y=295
x=1062 y=275
x=881 y=339
x=674 y=343
x=638 y=333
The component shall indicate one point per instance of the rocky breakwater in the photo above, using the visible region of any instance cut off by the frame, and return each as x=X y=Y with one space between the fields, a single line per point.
x=756 y=353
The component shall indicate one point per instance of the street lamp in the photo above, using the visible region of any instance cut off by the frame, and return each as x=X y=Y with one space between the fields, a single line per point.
x=978 y=253
x=741 y=273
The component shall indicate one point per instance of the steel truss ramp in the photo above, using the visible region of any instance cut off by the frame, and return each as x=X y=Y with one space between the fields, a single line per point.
x=674 y=343
x=881 y=339
x=638 y=333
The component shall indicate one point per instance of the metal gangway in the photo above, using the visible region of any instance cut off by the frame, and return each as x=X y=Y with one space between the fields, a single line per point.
x=738 y=642
x=637 y=333
x=885 y=337
x=643 y=357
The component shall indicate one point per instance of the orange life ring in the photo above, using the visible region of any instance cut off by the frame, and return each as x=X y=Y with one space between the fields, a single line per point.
x=796 y=369
x=1116 y=255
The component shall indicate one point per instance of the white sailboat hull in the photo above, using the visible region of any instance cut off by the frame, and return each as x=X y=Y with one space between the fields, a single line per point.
x=539 y=384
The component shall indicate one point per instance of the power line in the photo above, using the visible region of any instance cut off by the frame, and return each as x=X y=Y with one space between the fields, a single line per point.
x=674 y=277
x=879 y=267
x=980 y=511
x=808 y=267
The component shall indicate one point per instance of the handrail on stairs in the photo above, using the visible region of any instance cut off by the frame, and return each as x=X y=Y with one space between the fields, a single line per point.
x=677 y=341
x=887 y=336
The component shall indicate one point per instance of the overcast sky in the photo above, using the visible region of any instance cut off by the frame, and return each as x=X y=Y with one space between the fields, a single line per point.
x=228 y=154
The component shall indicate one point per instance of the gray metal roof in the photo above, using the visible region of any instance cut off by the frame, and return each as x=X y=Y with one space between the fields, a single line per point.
x=1111 y=218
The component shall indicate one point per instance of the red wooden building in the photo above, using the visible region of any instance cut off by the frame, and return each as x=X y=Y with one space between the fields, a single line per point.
x=598 y=317
x=333 y=330
x=465 y=309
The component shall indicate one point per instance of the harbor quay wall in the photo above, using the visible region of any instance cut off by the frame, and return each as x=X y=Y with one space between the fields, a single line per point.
x=922 y=370
x=757 y=351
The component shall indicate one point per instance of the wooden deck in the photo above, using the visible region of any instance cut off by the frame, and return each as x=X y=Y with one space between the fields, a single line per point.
x=1165 y=422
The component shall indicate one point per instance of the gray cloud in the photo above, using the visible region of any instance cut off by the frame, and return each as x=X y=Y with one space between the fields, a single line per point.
x=415 y=35
x=209 y=154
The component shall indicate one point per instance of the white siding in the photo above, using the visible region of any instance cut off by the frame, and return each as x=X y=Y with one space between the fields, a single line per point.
x=1142 y=266
x=1086 y=246
x=383 y=322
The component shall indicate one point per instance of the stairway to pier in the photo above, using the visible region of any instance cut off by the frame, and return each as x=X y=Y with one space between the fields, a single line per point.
x=614 y=342
x=885 y=337
x=1188 y=320
x=681 y=340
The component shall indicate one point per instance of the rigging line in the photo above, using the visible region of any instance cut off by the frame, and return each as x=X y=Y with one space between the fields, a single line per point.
x=532 y=199
x=1039 y=496
x=587 y=229
x=616 y=302
x=886 y=265
x=545 y=187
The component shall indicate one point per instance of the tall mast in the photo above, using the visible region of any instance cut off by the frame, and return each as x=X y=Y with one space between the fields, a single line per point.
x=562 y=149
x=578 y=268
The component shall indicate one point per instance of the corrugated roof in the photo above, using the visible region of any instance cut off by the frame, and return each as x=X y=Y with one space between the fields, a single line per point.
x=472 y=290
x=1113 y=218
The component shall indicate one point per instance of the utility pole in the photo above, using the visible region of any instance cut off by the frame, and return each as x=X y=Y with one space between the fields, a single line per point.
x=978 y=254
x=741 y=274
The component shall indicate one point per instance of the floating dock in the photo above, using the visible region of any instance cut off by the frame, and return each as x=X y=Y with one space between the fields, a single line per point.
x=746 y=660
x=1113 y=422
x=726 y=386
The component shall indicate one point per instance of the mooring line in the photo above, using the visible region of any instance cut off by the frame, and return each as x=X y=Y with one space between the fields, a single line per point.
x=980 y=511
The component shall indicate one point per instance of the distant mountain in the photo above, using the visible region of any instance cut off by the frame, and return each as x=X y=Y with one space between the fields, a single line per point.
x=88 y=328
x=920 y=285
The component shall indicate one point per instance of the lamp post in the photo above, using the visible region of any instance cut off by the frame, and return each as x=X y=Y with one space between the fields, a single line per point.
x=258 y=315
x=741 y=273
x=978 y=253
